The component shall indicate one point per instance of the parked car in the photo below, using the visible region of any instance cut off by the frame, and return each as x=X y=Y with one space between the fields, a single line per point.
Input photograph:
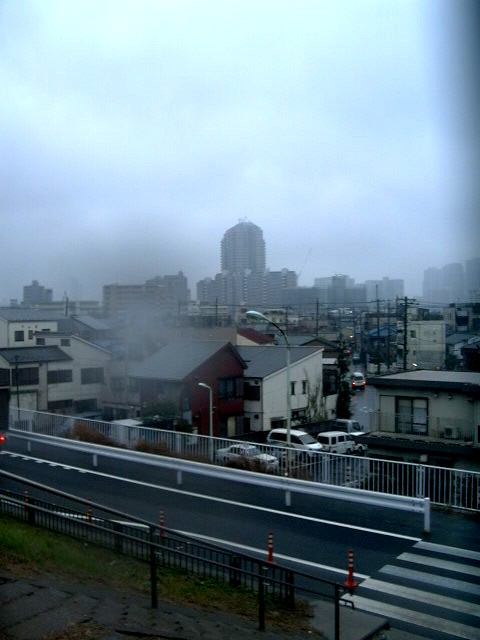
x=358 y=380
x=298 y=440
x=249 y=453
x=339 y=442
x=2 y=438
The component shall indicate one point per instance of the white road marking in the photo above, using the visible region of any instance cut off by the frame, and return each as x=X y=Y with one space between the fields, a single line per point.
x=418 y=595
x=242 y=505
x=429 y=578
x=425 y=620
x=440 y=564
x=451 y=551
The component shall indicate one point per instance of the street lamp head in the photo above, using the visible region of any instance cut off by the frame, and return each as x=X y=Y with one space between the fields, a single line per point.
x=204 y=385
x=256 y=315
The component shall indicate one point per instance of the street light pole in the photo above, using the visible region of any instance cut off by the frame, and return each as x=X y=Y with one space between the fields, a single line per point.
x=210 y=415
x=256 y=315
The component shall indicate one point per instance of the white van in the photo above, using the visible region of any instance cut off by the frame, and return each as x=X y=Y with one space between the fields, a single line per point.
x=298 y=440
x=337 y=442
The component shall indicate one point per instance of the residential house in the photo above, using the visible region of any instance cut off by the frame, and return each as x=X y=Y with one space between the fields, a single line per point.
x=421 y=343
x=81 y=388
x=64 y=375
x=427 y=415
x=18 y=326
x=265 y=380
x=456 y=357
x=174 y=373
x=462 y=318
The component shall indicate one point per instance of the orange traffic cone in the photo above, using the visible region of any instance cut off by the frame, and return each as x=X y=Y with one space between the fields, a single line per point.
x=350 y=583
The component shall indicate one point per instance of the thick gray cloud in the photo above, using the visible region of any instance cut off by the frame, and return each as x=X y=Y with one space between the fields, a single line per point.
x=134 y=133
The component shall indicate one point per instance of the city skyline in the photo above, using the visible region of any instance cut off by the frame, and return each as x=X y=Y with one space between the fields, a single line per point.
x=47 y=295
x=134 y=133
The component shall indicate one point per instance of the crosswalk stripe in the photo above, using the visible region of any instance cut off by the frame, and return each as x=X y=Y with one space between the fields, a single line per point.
x=440 y=564
x=425 y=620
x=418 y=595
x=452 y=551
x=421 y=576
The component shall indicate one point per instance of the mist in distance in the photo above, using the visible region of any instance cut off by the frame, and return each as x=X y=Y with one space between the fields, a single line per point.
x=134 y=134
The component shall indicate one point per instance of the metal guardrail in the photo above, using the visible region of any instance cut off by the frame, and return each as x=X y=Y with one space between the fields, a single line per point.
x=82 y=519
x=456 y=488
x=283 y=483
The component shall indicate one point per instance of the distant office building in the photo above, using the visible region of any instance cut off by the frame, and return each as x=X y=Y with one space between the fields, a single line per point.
x=343 y=292
x=454 y=281
x=34 y=294
x=243 y=247
x=244 y=278
x=432 y=288
x=322 y=285
x=472 y=280
x=276 y=284
x=161 y=294
x=384 y=290
x=444 y=285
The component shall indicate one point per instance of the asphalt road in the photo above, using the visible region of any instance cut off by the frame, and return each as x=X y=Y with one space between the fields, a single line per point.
x=312 y=534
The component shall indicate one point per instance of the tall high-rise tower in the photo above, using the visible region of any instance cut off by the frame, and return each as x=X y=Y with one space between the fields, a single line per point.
x=243 y=248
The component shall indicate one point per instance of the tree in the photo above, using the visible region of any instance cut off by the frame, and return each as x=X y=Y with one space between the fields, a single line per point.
x=164 y=414
x=315 y=410
x=160 y=414
x=344 y=387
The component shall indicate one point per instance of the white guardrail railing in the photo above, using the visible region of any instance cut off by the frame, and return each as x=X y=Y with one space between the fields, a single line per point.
x=286 y=484
x=447 y=487
x=354 y=478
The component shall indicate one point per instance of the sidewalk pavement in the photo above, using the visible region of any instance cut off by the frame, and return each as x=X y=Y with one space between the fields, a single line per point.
x=37 y=608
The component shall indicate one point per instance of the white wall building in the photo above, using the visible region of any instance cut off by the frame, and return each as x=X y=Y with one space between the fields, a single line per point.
x=265 y=390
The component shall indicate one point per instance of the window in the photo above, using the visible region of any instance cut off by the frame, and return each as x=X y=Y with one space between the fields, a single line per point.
x=292 y=388
x=412 y=415
x=30 y=334
x=133 y=384
x=40 y=342
x=60 y=405
x=251 y=391
x=60 y=375
x=26 y=376
x=80 y=406
x=304 y=387
x=19 y=336
x=92 y=375
x=4 y=377
x=64 y=342
x=117 y=383
x=229 y=388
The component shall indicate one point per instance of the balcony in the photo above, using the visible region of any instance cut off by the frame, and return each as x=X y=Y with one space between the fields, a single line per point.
x=427 y=429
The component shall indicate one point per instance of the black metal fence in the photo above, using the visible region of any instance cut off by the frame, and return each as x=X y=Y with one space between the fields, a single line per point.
x=49 y=508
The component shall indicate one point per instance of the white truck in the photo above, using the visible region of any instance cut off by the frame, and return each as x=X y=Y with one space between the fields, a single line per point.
x=353 y=427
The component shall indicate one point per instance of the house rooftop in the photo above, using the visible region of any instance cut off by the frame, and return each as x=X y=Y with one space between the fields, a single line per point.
x=468 y=381
x=263 y=361
x=25 y=314
x=25 y=355
x=176 y=360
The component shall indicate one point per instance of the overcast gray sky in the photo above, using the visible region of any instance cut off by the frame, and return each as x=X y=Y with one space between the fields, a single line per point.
x=133 y=134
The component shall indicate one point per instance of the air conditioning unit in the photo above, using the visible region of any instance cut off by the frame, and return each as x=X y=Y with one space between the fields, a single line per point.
x=451 y=433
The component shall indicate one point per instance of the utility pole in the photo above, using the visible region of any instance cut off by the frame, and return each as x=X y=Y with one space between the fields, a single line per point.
x=406 y=302
x=378 y=333
x=388 y=336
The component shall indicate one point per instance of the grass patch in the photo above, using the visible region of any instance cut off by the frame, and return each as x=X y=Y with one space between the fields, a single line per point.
x=25 y=550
